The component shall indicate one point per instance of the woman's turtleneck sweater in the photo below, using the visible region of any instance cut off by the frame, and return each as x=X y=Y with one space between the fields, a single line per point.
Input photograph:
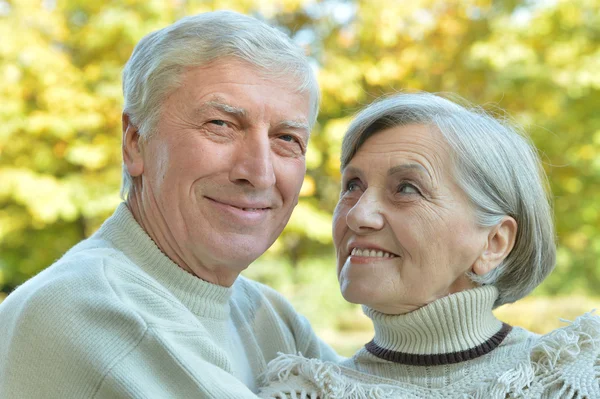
x=453 y=347
x=116 y=318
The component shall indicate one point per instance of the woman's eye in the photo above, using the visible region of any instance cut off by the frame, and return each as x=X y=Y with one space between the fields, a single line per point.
x=407 y=188
x=352 y=185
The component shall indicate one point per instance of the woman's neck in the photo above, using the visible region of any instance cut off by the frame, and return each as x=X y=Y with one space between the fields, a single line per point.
x=449 y=330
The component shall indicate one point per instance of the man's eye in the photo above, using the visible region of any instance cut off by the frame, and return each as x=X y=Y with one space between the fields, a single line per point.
x=218 y=122
x=289 y=138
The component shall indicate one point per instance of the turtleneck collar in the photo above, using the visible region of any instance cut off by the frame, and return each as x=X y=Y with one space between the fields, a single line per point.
x=452 y=329
x=201 y=297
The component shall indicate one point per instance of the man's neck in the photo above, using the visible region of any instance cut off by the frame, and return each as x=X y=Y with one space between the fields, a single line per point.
x=157 y=229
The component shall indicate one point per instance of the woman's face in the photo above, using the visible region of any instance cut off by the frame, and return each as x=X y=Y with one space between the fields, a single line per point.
x=405 y=233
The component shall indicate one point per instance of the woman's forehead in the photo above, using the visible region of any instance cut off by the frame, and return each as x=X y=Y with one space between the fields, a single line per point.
x=404 y=147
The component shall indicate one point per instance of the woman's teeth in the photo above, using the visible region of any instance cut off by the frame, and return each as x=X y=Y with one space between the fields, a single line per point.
x=371 y=253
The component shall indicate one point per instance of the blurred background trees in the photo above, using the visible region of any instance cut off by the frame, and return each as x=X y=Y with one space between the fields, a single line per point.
x=60 y=115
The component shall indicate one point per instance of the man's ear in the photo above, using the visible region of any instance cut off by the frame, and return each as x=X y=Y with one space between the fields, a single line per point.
x=500 y=241
x=132 y=151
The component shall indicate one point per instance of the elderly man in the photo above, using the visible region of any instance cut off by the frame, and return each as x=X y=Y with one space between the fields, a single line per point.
x=218 y=110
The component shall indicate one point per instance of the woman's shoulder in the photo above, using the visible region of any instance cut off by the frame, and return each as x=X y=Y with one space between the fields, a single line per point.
x=579 y=336
x=575 y=345
x=563 y=363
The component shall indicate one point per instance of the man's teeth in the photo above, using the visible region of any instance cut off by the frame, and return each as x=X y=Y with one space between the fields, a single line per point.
x=372 y=253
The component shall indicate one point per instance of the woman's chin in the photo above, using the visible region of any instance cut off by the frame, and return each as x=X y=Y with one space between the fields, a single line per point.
x=357 y=294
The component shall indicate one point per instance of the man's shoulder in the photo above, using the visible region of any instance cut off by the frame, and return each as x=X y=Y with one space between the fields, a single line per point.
x=258 y=294
x=276 y=325
x=69 y=292
x=81 y=272
x=67 y=325
x=259 y=302
x=68 y=314
x=254 y=287
x=87 y=292
x=95 y=282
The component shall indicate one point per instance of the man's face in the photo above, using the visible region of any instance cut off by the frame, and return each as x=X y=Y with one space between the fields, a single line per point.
x=222 y=173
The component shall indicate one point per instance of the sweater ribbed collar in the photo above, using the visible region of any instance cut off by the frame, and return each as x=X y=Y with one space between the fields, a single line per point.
x=452 y=329
x=201 y=297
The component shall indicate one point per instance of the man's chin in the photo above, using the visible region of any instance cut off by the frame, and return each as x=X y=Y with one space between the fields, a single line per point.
x=238 y=257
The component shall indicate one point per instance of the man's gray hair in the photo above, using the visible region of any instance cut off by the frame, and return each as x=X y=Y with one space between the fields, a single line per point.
x=497 y=167
x=159 y=59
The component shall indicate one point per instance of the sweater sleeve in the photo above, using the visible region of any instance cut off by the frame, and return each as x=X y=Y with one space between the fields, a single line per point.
x=303 y=336
x=60 y=333
x=69 y=335
x=309 y=344
x=158 y=368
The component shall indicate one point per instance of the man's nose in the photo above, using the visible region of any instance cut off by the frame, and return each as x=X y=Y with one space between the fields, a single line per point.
x=365 y=216
x=253 y=162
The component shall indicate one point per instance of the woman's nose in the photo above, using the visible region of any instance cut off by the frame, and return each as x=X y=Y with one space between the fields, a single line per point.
x=365 y=216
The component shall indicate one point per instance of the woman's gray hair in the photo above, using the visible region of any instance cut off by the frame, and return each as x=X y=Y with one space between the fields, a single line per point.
x=159 y=59
x=497 y=167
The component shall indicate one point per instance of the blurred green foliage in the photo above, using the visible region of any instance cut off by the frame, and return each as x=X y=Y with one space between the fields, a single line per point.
x=60 y=113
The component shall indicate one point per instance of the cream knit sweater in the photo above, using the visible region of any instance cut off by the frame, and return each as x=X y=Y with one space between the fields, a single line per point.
x=115 y=318
x=451 y=348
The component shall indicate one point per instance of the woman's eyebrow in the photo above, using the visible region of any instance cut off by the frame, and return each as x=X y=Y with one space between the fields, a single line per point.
x=352 y=170
x=408 y=166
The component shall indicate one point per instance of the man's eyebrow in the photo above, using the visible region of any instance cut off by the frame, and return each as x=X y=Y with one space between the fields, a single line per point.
x=408 y=166
x=226 y=108
x=298 y=125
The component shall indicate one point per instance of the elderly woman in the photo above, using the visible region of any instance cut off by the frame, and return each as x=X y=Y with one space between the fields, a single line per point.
x=443 y=216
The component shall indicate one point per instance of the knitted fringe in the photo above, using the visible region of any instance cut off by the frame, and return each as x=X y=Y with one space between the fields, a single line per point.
x=326 y=378
x=563 y=364
x=553 y=363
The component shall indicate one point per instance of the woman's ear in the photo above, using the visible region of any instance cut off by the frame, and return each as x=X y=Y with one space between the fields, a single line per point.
x=499 y=243
x=132 y=151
